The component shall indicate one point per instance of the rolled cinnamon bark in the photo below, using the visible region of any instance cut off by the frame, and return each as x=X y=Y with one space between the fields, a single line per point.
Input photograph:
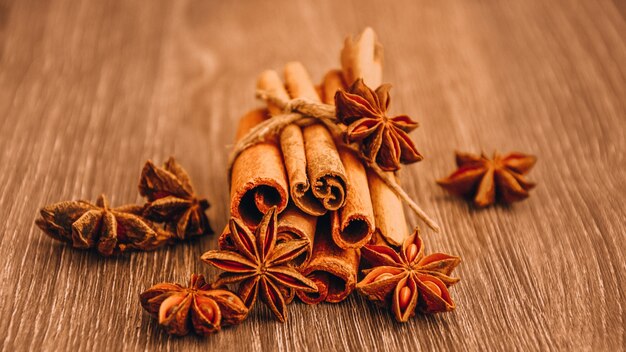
x=325 y=171
x=270 y=81
x=298 y=82
x=388 y=211
x=324 y=167
x=292 y=145
x=356 y=217
x=293 y=224
x=363 y=57
x=258 y=179
x=332 y=268
x=332 y=82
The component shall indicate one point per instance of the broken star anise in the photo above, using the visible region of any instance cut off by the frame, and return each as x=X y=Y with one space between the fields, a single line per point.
x=87 y=225
x=172 y=200
x=408 y=280
x=261 y=264
x=198 y=306
x=382 y=139
x=484 y=180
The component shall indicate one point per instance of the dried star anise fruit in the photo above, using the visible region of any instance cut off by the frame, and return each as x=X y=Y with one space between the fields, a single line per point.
x=261 y=264
x=87 y=225
x=172 y=200
x=198 y=306
x=484 y=180
x=382 y=139
x=408 y=280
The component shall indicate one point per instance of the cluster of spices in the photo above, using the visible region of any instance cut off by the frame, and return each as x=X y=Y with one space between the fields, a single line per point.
x=173 y=212
x=309 y=218
x=313 y=213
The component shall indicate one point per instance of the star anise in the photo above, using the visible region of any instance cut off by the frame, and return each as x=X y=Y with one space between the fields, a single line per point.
x=172 y=199
x=409 y=280
x=86 y=225
x=484 y=180
x=261 y=264
x=382 y=139
x=198 y=306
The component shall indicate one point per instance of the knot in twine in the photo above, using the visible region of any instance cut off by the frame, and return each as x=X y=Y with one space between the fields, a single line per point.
x=304 y=112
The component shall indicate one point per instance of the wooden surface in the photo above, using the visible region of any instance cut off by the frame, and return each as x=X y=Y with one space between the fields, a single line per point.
x=91 y=89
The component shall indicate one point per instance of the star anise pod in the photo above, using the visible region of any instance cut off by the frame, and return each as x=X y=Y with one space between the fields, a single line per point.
x=198 y=306
x=86 y=225
x=408 y=280
x=484 y=180
x=172 y=200
x=382 y=139
x=261 y=264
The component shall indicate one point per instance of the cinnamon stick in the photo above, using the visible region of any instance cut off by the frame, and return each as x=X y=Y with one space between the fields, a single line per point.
x=270 y=81
x=326 y=173
x=294 y=224
x=388 y=211
x=332 y=82
x=332 y=268
x=258 y=179
x=298 y=82
x=356 y=218
x=363 y=57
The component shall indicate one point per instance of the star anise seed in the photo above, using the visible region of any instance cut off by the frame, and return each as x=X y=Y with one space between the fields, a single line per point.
x=198 y=307
x=408 y=280
x=260 y=264
x=382 y=139
x=484 y=180
x=172 y=199
x=86 y=225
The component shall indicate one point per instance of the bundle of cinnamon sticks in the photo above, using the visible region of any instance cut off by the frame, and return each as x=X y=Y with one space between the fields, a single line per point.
x=321 y=189
x=310 y=196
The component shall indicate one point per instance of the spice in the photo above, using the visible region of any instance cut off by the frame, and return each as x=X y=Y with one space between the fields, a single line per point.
x=333 y=269
x=484 y=180
x=325 y=171
x=258 y=179
x=172 y=199
x=383 y=139
x=408 y=280
x=362 y=57
x=86 y=225
x=261 y=264
x=356 y=217
x=198 y=307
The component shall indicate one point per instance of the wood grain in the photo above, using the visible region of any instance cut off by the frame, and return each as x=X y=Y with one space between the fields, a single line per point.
x=90 y=89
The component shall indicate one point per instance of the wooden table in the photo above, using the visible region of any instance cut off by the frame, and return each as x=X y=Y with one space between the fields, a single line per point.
x=91 y=89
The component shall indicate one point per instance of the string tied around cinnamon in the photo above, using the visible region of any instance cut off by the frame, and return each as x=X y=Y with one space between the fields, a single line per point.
x=304 y=112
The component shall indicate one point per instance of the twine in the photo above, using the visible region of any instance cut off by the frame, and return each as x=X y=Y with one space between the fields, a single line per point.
x=304 y=112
